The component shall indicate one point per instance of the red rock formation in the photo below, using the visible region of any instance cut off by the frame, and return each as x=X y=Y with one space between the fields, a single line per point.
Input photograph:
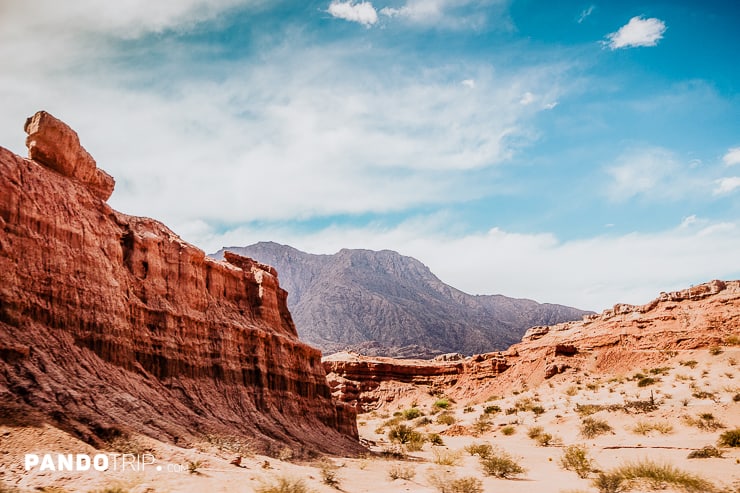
x=52 y=143
x=108 y=320
x=617 y=340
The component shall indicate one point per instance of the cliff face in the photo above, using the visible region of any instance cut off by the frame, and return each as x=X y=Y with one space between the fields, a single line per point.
x=358 y=299
x=108 y=320
x=615 y=341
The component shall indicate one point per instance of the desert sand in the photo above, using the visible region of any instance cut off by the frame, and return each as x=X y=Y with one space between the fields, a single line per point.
x=687 y=386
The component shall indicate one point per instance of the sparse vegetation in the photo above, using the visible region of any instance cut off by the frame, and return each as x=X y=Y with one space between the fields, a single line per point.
x=645 y=427
x=193 y=466
x=705 y=453
x=591 y=427
x=508 y=430
x=730 y=438
x=446 y=484
x=492 y=409
x=283 y=484
x=482 y=450
x=329 y=474
x=446 y=419
x=435 y=439
x=398 y=471
x=589 y=409
x=442 y=403
x=690 y=363
x=444 y=457
x=575 y=458
x=482 y=424
x=501 y=465
x=404 y=434
x=704 y=421
x=645 y=381
x=652 y=474
x=534 y=432
x=715 y=350
x=412 y=413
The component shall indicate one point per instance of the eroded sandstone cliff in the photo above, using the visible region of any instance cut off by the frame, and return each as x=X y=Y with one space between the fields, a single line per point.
x=615 y=341
x=109 y=321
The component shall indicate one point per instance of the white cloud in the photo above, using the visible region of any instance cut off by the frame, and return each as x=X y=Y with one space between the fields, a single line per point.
x=451 y=14
x=363 y=13
x=586 y=13
x=552 y=105
x=637 y=32
x=592 y=273
x=527 y=98
x=727 y=185
x=468 y=83
x=124 y=18
x=314 y=132
x=732 y=157
x=642 y=171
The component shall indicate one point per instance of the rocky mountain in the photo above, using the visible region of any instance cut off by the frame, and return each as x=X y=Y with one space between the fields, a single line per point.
x=617 y=341
x=111 y=324
x=384 y=303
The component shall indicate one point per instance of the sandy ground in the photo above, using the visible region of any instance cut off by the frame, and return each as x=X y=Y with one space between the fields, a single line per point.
x=688 y=385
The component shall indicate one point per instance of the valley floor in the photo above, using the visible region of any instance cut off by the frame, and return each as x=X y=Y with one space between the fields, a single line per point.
x=696 y=396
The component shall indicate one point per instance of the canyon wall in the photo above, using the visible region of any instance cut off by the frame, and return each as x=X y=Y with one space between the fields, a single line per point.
x=109 y=321
x=618 y=340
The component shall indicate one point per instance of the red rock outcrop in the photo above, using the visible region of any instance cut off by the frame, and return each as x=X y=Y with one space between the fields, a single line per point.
x=617 y=340
x=112 y=321
x=51 y=142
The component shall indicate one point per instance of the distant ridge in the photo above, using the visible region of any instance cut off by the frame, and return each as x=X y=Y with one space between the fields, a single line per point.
x=384 y=303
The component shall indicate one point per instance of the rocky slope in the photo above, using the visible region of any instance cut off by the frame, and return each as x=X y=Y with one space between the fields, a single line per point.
x=617 y=340
x=383 y=303
x=111 y=324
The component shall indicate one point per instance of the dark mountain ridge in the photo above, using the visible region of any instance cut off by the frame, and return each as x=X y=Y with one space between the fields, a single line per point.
x=384 y=303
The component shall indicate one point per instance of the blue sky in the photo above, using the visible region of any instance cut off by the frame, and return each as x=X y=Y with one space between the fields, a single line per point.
x=584 y=153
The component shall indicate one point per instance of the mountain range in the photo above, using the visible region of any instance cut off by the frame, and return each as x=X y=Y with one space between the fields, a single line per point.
x=384 y=303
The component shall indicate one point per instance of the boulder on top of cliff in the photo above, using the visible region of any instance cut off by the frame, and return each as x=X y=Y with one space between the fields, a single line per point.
x=54 y=144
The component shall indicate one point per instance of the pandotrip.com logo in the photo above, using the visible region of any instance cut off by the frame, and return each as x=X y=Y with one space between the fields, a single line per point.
x=99 y=462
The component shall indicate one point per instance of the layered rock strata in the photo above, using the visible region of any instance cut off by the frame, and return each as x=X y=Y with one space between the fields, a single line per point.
x=109 y=321
x=617 y=340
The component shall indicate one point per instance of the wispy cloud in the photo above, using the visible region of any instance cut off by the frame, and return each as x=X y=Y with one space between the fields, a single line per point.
x=642 y=171
x=727 y=185
x=363 y=13
x=732 y=157
x=451 y=14
x=585 y=13
x=639 y=31
x=539 y=265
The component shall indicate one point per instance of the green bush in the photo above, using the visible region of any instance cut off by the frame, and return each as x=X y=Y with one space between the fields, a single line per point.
x=412 y=413
x=444 y=483
x=445 y=457
x=442 y=403
x=404 y=434
x=435 y=439
x=705 y=453
x=575 y=458
x=283 y=485
x=645 y=381
x=730 y=438
x=656 y=475
x=397 y=471
x=501 y=465
x=591 y=427
x=482 y=450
